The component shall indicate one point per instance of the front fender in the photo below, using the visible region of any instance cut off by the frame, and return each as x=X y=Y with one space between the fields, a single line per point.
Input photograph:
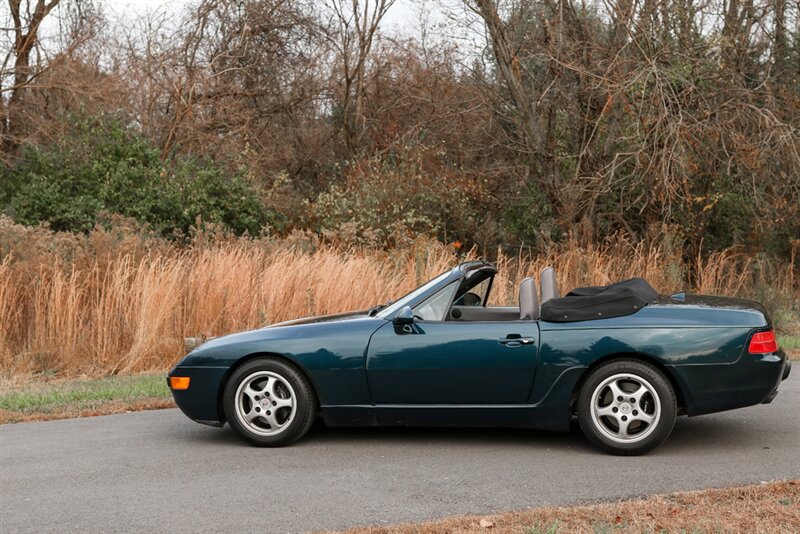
x=331 y=354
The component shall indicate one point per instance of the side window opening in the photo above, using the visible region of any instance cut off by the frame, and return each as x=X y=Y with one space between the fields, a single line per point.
x=472 y=299
x=475 y=288
x=476 y=295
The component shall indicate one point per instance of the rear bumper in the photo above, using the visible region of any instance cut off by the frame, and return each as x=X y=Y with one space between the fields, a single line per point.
x=787 y=368
x=751 y=380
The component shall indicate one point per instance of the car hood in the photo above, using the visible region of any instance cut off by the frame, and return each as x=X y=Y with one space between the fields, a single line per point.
x=192 y=343
x=320 y=319
x=291 y=337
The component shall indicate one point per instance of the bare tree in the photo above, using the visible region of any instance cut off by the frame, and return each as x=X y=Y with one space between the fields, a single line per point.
x=353 y=28
x=26 y=17
x=508 y=63
x=633 y=116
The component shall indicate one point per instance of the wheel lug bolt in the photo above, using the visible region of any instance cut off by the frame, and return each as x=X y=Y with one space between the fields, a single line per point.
x=274 y=403
x=258 y=398
x=269 y=412
x=633 y=401
x=615 y=409
x=635 y=412
x=258 y=409
x=619 y=399
x=624 y=417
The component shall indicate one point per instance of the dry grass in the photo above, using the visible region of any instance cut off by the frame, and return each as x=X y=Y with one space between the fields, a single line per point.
x=759 y=509
x=118 y=304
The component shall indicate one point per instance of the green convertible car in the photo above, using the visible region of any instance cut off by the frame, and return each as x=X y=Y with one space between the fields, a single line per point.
x=622 y=359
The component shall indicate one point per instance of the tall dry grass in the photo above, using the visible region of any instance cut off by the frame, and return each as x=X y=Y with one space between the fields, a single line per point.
x=116 y=305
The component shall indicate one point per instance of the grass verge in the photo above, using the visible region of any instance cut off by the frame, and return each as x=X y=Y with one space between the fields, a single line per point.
x=763 y=508
x=60 y=399
x=790 y=344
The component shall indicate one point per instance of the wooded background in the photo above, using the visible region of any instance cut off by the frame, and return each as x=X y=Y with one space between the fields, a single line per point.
x=197 y=172
x=493 y=123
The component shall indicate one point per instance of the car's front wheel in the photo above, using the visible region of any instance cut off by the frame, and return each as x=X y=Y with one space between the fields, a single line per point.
x=269 y=403
x=627 y=407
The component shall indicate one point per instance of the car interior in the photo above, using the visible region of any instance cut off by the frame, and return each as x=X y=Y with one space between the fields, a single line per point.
x=472 y=295
x=470 y=298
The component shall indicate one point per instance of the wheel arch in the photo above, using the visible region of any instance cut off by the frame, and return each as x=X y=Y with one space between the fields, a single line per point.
x=646 y=358
x=250 y=357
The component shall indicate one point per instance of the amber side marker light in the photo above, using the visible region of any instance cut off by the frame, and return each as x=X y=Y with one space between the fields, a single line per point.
x=763 y=342
x=179 y=382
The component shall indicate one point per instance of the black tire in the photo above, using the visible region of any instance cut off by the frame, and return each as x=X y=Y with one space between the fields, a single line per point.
x=658 y=402
x=290 y=383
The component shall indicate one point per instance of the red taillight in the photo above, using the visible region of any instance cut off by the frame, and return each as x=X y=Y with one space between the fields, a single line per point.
x=763 y=342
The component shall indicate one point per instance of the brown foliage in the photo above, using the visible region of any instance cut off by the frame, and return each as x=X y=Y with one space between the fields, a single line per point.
x=628 y=115
x=118 y=301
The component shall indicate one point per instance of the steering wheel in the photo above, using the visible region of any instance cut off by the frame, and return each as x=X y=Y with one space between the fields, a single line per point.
x=470 y=299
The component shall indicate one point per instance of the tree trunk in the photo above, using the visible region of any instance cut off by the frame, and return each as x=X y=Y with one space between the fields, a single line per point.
x=25 y=40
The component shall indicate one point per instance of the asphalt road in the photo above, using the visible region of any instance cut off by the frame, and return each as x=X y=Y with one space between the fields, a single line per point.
x=158 y=471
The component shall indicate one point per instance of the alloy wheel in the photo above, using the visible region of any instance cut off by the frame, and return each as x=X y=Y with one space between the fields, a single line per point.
x=625 y=408
x=265 y=403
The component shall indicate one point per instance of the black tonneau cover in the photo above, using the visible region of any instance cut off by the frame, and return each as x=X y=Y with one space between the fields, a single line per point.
x=600 y=302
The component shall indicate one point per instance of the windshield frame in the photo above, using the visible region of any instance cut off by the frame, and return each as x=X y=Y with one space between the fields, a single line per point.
x=457 y=273
x=418 y=295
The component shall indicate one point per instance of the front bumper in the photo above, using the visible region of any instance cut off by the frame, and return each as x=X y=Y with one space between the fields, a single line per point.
x=201 y=402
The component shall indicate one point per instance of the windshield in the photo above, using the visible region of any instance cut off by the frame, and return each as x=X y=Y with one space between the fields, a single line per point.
x=405 y=300
x=435 y=307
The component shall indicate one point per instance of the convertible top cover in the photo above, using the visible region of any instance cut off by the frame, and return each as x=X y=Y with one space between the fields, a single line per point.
x=600 y=302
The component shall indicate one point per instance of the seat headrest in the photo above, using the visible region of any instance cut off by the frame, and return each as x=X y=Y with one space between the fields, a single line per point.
x=528 y=300
x=549 y=284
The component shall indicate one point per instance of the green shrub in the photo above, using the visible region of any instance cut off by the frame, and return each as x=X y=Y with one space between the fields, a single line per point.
x=390 y=201
x=102 y=165
x=528 y=219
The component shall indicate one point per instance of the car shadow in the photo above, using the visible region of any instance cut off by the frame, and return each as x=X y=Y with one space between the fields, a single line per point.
x=320 y=434
x=455 y=435
x=715 y=433
x=700 y=433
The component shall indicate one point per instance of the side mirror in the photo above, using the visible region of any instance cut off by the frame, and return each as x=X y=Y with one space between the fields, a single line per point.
x=404 y=316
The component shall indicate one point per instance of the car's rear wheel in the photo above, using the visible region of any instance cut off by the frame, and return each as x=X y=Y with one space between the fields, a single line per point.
x=269 y=403
x=627 y=407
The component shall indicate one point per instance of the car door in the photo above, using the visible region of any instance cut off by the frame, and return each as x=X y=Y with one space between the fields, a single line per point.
x=448 y=362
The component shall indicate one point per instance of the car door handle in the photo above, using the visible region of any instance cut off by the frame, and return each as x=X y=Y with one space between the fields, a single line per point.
x=516 y=341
